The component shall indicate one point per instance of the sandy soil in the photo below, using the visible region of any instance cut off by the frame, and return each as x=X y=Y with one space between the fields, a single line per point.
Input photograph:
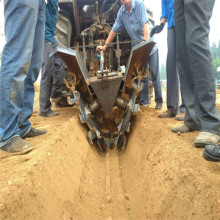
x=160 y=175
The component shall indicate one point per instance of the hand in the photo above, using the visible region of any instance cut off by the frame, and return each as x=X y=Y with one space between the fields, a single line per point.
x=157 y=29
x=98 y=48
x=101 y=48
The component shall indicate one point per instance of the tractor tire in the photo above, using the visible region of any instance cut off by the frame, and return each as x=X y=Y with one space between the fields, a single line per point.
x=63 y=30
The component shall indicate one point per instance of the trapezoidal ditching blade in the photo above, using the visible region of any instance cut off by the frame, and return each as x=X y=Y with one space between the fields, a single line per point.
x=106 y=91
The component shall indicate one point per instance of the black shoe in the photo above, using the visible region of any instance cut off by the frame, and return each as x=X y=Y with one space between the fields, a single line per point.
x=212 y=152
x=17 y=146
x=34 y=132
x=50 y=113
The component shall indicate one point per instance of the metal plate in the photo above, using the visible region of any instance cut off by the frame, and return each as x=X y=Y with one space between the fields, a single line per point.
x=106 y=91
x=73 y=61
x=139 y=54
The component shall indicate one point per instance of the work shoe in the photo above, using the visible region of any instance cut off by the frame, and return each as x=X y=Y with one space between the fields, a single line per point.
x=182 y=129
x=50 y=113
x=159 y=106
x=33 y=132
x=206 y=138
x=167 y=114
x=180 y=116
x=17 y=146
x=212 y=152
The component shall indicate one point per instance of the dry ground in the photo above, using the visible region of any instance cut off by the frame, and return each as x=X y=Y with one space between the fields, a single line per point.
x=160 y=175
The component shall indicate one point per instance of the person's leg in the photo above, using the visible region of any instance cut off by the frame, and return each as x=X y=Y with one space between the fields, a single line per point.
x=182 y=106
x=172 y=74
x=145 y=98
x=20 y=23
x=186 y=79
x=197 y=15
x=36 y=61
x=46 y=78
x=154 y=70
x=58 y=76
x=145 y=92
x=151 y=88
x=181 y=114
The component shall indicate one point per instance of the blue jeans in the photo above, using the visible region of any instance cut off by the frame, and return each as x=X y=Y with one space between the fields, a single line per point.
x=153 y=63
x=21 y=62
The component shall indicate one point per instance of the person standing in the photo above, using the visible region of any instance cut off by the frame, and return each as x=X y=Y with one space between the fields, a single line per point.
x=20 y=67
x=167 y=15
x=196 y=70
x=153 y=64
x=52 y=73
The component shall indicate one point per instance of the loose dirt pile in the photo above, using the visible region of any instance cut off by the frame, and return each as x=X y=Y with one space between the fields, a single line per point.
x=160 y=175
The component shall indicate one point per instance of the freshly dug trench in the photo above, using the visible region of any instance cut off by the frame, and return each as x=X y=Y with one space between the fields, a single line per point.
x=160 y=175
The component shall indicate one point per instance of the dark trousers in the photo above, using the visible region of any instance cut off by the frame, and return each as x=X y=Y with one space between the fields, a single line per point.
x=195 y=64
x=52 y=75
x=172 y=74
x=153 y=63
